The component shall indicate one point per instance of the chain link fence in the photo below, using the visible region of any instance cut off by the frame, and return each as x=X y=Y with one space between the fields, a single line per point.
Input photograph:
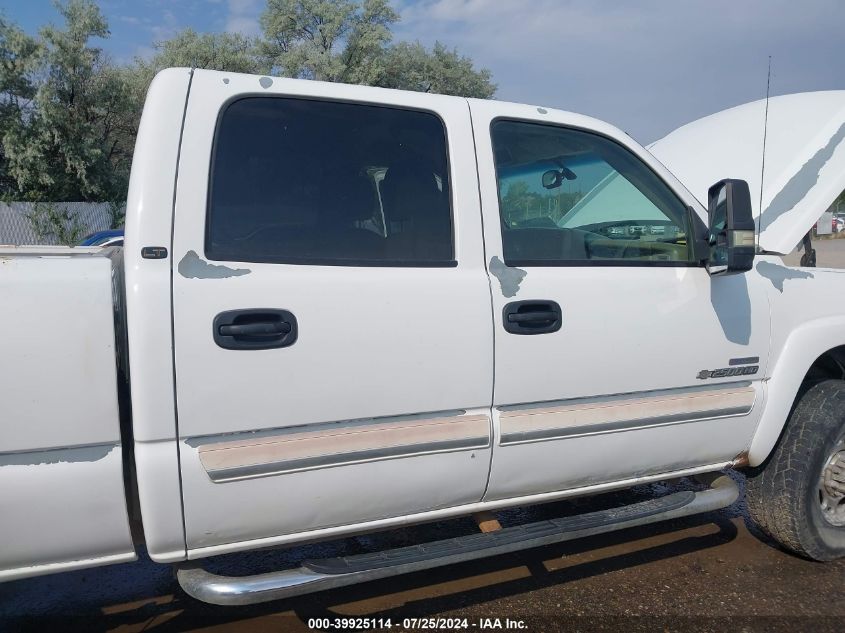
x=53 y=222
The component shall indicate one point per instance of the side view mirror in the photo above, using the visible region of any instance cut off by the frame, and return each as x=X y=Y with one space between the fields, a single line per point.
x=731 y=226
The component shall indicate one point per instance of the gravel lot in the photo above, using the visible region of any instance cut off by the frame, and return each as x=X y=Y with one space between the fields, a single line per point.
x=829 y=254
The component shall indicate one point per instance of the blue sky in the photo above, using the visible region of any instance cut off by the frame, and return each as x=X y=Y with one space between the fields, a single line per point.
x=646 y=66
x=135 y=25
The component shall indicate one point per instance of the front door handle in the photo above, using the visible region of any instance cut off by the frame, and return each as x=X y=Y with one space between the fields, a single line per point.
x=256 y=328
x=532 y=317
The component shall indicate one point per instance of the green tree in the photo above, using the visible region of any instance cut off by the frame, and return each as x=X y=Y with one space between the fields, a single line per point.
x=75 y=139
x=409 y=66
x=350 y=41
x=327 y=40
x=214 y=51
x=18 y=59
x=520 y=203
x=55 y=224
x=69 y=116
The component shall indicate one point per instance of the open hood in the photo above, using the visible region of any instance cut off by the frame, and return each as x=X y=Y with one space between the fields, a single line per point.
x=805 y=159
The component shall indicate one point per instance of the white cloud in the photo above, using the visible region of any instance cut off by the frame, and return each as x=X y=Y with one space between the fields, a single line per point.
x=166 y=29
x=647 y=66
x=243 y=17
x=129 y=19
x=243 y=6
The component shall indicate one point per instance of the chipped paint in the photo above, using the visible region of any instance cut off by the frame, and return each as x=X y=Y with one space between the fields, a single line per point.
x=509 y=277
x=542 y=110
x=779 y=274
x=265 y=82
x=193 y=266
x=57 y=456
x=225 y=80
x=797 y=188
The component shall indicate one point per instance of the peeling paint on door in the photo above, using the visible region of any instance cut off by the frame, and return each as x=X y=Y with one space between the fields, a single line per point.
x=509 y=277
x=192 y=266
x=57 y=456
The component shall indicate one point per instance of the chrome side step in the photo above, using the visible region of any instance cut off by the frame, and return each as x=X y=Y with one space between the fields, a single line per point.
x=318 y=575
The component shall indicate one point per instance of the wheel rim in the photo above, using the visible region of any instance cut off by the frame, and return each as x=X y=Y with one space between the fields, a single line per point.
x=832 y=486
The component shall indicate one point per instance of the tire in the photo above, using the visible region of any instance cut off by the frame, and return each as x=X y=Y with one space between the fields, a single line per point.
x=786 y=497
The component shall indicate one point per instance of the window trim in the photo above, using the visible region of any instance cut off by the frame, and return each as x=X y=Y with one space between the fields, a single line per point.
x=696 y=226
x=322 y=261
x=600 y=263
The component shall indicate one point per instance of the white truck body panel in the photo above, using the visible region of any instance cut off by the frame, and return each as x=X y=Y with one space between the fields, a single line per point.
x=229 y=401
x=61 y=470
x=366 y=334
x=149 y=222
x=808 y=319
x=605 y=349
x=343 y=531
x=805 y=159
x=403 y=398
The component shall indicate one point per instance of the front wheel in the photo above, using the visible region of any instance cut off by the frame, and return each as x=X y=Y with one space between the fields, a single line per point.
x=798 y=496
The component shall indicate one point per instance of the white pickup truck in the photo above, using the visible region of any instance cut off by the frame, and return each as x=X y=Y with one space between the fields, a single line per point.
x=343 y=309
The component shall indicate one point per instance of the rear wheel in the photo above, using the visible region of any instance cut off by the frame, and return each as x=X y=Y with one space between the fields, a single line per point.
x=798 y=496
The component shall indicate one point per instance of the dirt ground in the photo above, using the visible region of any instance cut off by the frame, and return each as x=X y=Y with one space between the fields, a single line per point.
x=830 y=253
x=705 y=573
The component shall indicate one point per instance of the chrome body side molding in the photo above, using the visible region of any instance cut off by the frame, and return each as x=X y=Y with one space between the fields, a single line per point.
x=342 y=445
x=622 y=413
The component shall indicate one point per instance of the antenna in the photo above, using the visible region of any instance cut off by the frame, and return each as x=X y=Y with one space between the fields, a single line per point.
x=763 y=162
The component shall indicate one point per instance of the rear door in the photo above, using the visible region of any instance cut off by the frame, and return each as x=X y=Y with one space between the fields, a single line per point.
x=617 y=355
x=331 y=309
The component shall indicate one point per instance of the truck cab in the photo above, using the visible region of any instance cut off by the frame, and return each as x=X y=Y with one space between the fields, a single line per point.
x=349 y=309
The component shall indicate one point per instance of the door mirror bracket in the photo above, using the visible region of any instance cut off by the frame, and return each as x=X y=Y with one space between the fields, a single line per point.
x=731 y=228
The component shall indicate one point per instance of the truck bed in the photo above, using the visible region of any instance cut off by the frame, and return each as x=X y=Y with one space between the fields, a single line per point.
x=61 y=474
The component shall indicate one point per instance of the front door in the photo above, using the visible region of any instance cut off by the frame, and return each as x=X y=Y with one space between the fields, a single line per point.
x=607 y=326
x=331 y=309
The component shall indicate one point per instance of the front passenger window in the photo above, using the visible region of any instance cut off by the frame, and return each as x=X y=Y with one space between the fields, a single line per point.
x=572 y=197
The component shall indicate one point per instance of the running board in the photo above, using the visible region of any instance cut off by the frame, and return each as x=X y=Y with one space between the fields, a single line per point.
x=318 y=575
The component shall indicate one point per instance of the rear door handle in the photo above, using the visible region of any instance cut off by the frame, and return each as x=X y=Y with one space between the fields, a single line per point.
x=532 y=317
x=256 y=328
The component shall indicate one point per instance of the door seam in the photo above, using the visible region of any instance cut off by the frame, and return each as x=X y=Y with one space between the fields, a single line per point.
x=173 y=313
x=493 y=434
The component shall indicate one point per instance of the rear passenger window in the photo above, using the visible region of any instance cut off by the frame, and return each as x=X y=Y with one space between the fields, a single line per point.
x=314 y=182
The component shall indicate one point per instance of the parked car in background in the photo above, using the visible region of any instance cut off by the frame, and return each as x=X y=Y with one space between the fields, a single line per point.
x=838 y=222
x=111 y=237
